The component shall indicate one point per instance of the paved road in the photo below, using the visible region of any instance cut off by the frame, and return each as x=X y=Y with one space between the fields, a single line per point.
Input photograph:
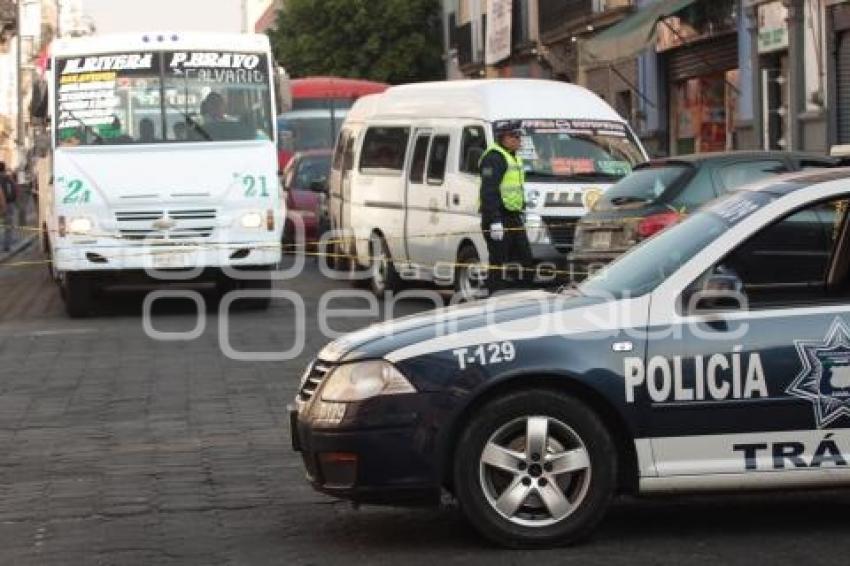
x=119 y=449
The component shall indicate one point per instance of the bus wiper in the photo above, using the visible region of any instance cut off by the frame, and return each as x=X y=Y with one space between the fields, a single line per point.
x=190 y=122
x=97 y=137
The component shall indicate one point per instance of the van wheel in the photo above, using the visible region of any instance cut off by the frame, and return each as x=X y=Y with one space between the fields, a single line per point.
x=78 y=294
x=383 y=276
x=535 y=469
x=468 y=281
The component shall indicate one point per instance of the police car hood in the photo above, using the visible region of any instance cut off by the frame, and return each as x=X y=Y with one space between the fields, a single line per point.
x=379 y=340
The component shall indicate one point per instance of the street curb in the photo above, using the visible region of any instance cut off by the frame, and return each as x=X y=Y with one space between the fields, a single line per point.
x=16 y=249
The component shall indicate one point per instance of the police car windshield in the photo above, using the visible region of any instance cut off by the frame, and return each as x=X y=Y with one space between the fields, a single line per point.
x=646 y=266
x=585 y=149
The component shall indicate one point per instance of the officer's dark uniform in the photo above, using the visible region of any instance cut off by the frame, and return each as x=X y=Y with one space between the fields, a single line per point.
x=503 y=201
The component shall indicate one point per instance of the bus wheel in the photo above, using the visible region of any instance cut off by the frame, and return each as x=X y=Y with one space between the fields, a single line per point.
x=78 y=294
x=470 y=284
x=383 y=276
x=260 y=282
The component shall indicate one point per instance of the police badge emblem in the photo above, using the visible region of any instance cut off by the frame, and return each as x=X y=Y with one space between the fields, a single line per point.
x=825 y=377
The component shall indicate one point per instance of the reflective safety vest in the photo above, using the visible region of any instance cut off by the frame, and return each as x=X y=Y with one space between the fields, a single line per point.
x=513 y=195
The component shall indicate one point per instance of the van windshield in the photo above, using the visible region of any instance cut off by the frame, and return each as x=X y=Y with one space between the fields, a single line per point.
x=578 y=149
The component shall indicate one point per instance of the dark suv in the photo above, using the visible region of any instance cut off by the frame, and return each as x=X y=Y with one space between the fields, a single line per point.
x=660 y=192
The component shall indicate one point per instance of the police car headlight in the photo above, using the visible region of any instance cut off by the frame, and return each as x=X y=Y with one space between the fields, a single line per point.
x=364 y=380
x=252 y=220
x=536 y=229
x=80 y=226
x=532 y=198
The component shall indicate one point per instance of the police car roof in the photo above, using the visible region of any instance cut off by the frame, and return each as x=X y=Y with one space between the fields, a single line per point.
x=159 y=41
x=492 y=99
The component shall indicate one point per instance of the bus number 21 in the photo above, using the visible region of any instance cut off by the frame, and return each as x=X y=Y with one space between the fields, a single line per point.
x=254 y=185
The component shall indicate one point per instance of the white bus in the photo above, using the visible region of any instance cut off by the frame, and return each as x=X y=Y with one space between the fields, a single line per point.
x=164 y=162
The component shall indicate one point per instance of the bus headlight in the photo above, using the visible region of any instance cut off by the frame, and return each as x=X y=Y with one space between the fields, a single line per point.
x=252 y=220
x=536 y=229
x=80 y=226
x=359 y=381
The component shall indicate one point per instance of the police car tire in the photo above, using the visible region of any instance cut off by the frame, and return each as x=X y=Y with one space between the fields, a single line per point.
x=569 y=411
x=391 y=280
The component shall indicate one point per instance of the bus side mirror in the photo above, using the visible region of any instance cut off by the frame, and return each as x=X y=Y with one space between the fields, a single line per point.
x=39 y=101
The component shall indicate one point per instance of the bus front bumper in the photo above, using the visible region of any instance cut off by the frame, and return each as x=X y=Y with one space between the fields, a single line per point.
x=96 y=256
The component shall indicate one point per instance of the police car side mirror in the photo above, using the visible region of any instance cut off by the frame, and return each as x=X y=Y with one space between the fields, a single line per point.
x=719 y=292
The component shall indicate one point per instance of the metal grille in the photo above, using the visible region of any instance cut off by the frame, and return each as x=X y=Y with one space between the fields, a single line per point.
x=188 y=224
x=562 y=231
x=316 y=375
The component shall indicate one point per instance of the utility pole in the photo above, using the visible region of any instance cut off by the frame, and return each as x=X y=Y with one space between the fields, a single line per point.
x=244 y=16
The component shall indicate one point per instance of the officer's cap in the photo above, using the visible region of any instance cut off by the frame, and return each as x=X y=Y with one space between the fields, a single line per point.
x=503 y=127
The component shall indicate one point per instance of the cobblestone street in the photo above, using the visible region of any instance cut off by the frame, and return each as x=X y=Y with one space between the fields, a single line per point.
x=118 y=449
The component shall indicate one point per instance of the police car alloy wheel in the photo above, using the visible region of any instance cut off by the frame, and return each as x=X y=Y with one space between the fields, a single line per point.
x=535 y=468
x=383 y=276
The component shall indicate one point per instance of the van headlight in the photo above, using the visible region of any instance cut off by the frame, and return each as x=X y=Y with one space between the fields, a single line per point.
x=364 y=380
x=536 y=229
x=252 y=220
x=80 y=226
x=532 y=198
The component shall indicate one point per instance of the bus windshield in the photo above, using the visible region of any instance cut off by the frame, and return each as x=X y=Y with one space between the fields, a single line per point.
x=163 y=97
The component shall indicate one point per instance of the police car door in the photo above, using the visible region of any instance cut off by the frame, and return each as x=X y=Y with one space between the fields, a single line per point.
x=753 y=383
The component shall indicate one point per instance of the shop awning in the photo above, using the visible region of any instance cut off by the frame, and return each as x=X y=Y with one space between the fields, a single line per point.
x=629 y=37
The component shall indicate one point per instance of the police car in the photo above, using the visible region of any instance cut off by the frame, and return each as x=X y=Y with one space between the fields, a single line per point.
x=707 y=358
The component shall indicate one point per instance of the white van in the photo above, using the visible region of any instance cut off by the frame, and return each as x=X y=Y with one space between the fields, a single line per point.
x=404 y=181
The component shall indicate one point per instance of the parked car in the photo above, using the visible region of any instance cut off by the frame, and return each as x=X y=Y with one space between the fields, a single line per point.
x=305 y=186
x=660 y=192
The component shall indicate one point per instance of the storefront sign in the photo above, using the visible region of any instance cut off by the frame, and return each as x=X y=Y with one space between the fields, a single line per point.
x=498 y=44
x=773 y=27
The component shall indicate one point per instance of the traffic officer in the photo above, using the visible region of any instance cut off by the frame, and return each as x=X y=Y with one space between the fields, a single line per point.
x=502 y=198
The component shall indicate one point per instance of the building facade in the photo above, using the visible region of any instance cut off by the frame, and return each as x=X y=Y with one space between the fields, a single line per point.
x=689 y=75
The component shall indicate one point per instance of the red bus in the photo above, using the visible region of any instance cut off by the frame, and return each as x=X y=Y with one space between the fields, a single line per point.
x=319 y=107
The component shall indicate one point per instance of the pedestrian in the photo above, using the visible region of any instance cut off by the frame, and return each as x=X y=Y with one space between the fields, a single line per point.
x=502 y=197
x=10 y=197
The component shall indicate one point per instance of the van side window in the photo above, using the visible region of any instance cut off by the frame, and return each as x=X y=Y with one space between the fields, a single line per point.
x=472 y=146
x=438 y=160
x=338 y=151
x=384 y=149
x=420 y=155
x=348 y=154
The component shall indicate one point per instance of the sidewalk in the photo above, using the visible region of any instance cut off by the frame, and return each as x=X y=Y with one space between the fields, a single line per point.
x=17 y=247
